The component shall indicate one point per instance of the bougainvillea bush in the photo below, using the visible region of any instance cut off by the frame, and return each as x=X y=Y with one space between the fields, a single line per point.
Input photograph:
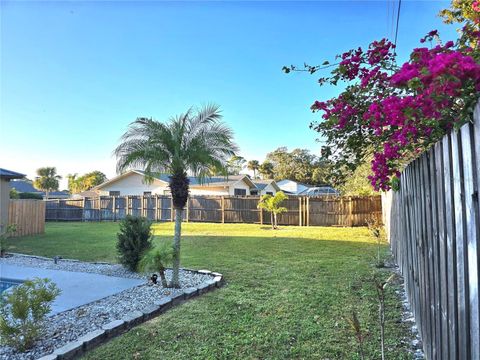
x=391 y=113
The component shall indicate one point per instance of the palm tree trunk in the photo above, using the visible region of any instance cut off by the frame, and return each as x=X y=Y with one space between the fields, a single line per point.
x=176 y=247
x=163 y=278
x=275 y=217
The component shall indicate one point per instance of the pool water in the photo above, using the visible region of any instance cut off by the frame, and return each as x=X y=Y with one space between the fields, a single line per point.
x=8 y=283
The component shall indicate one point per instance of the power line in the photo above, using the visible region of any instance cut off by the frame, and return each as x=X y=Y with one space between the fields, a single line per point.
x=398 y=20
x=392 y=22
x=388 y=18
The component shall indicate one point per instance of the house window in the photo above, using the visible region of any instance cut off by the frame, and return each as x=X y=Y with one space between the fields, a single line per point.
x=239 y=192
x=147 y=193
x=269 y=193
x=253 y=192
x=114 y=193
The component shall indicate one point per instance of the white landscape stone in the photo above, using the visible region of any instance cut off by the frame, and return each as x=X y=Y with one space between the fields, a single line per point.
x=72 y=325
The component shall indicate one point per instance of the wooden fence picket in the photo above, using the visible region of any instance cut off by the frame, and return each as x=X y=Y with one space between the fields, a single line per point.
x=433 y=225
x=301 y=211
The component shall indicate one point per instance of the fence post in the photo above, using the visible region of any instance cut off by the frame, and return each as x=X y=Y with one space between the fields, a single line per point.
x=171 y=208
x=160 y=209
x=188 y=207
x=114 y=208
x=350 y=210
x=223 y=209
x=299 y=211
x=83 y=208
x=261 y=216
x=142 y=206
x=308 y=210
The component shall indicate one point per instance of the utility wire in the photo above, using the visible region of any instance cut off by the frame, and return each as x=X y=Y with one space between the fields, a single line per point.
x=396 y=29
x=388 y=18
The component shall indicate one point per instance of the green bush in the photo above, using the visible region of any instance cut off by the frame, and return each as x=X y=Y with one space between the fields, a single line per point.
x=14 y=194
x=134 y=239
x=29 y=195
x=23 y=311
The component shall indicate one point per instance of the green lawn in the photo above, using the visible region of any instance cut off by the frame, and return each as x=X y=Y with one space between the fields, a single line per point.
x=288 y=292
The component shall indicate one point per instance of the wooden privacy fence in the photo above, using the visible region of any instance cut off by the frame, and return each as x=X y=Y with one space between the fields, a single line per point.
x=434 y=228
x=28 y=216
x=303 y=211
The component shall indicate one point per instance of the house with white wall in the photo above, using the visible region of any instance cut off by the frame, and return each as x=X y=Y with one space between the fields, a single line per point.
x=133 y=183
x=268 y=186
x=291 y=187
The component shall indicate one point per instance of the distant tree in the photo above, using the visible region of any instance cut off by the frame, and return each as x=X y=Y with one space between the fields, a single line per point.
x=272 y=205
x=93 y=179
x=14 y=194
x=235 y=165
x=266 y=170
x=47 y=180
x=253 y=165
x=358 y=184
x=298 y=165
x=85 y=182
x=194 y=141
x=73 y=187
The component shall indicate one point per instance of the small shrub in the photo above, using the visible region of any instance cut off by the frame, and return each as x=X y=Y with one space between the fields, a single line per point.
x=376 y=230
x=23 y=311
x=157 y=260
x=360 y=334
x=29 y=195
x=134 y=239
x=4 y=235
x=272 y=205
x=14 y=194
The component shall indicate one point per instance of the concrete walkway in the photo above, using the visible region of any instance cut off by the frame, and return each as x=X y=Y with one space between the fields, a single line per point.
x=78 y=288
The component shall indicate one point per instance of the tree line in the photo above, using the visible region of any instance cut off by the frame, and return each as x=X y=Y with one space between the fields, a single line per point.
x=47 y=180
x=297 y=165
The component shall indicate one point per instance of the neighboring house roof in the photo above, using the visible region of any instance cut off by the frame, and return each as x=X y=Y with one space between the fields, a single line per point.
x=285 y=181
x=24 y=186
x=10 y=175
x=262 y=184
x=320 y=190
x=292 y=187
x=217 y=181
x=87 y=193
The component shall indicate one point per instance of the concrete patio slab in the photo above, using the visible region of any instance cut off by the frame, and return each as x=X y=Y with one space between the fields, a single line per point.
x=78 y=288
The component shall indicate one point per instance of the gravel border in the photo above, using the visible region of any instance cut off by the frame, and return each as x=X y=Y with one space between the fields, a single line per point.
x=408 y=318
x=73 y=332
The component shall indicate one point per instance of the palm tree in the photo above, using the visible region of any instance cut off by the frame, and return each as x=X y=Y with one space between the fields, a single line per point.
x=47 y=180
x=253 y=165
x=272 y=205
x=266 y=169
x=196 y=141
x=235 y=165
x=156 y=260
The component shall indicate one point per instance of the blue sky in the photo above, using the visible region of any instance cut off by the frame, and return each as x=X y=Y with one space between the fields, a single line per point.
x=75 y=74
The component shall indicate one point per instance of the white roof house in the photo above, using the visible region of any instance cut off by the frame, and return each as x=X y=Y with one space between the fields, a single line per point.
x=296 y=188
x=292 y=187
x=265 y=187
x=133 y=183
